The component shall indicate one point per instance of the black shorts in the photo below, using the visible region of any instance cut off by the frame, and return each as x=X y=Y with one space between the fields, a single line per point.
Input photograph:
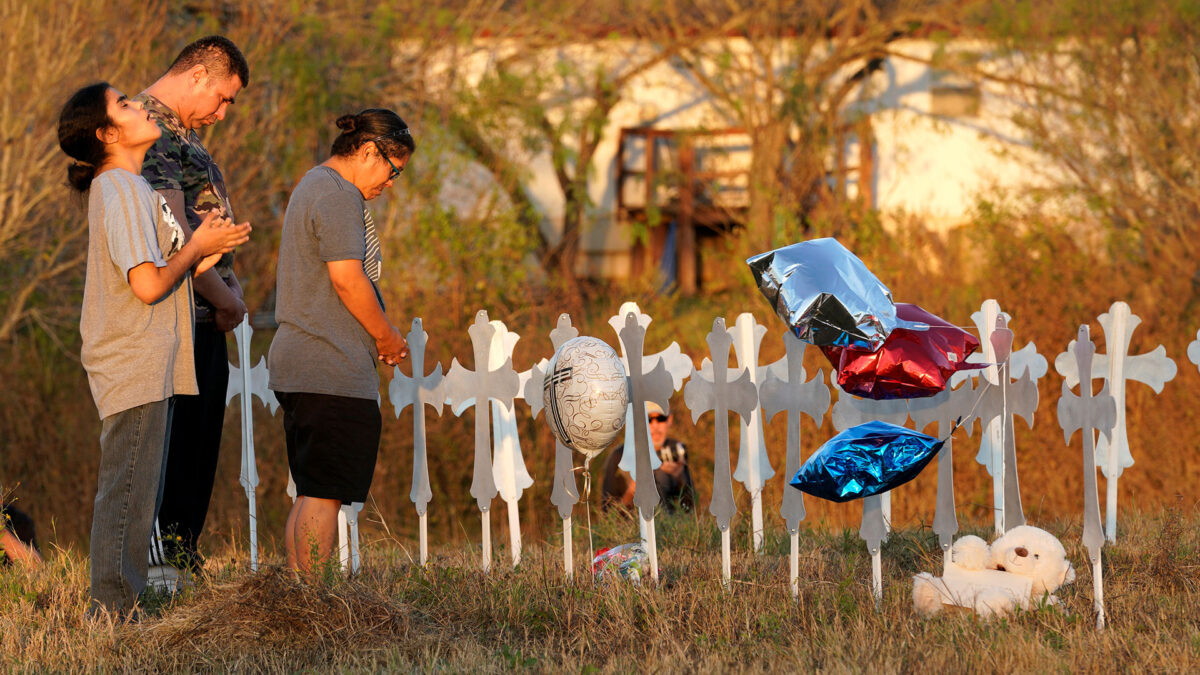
x=332 y=444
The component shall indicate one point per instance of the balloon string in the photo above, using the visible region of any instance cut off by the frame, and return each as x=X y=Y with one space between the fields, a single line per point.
x=1002 y=369
x=587 y=497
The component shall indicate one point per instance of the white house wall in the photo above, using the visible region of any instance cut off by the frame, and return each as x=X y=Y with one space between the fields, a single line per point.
x=925 y=166
x=937 y=167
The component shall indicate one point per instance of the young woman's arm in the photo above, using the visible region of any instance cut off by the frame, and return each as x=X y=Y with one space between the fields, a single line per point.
x=226 y=298
x=214 y=236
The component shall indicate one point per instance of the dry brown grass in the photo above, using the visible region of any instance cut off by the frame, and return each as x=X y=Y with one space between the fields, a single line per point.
x=252 y=618
x=451 y=617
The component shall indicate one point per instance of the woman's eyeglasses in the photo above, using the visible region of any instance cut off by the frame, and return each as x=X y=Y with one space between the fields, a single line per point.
x=396 y=171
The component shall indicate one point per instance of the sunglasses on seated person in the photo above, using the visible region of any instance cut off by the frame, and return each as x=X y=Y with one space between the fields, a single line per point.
x=661 y=419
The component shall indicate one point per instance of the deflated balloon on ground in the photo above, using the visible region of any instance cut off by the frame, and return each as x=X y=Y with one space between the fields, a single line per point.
x=627 y=561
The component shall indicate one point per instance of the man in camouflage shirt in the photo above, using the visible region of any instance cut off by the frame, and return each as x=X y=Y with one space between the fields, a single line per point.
x=195 y=92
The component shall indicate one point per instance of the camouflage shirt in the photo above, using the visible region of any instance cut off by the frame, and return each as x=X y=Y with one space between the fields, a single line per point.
x=179 y=161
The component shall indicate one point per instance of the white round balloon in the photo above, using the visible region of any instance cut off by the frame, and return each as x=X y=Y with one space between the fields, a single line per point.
x=585 y=394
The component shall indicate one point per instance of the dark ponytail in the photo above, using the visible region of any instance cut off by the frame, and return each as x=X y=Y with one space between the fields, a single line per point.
x=83 y=114
x=374 y=124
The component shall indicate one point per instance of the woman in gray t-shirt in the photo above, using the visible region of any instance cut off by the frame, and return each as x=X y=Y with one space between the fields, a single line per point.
x=333 y=328
x=136 y=324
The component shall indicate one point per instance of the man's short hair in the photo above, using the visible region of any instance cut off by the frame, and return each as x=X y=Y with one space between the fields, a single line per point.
x=218 y=54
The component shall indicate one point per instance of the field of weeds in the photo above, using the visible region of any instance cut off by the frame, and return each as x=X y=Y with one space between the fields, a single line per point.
x=451 y=617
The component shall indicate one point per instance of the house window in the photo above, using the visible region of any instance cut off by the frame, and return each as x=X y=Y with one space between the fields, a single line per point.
x=953 y=95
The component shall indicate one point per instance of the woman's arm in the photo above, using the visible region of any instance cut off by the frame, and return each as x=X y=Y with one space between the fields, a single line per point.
x=354 y=289
x=214 y=236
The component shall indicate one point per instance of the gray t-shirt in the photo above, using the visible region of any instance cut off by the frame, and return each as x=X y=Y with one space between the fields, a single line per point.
x=320 y=347
x=134 y=353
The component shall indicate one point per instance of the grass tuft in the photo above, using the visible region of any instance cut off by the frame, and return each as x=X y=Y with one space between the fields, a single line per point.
x=272 y=613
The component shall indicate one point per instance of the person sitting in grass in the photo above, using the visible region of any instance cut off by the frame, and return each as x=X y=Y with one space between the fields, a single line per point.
x=18 y=540
x=673 y=479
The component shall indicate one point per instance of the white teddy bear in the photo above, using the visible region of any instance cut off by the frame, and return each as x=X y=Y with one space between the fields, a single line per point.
x=1024 y=565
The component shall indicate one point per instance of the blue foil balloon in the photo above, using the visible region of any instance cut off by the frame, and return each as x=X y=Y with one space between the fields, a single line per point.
x=826 y=294
x=865 y=460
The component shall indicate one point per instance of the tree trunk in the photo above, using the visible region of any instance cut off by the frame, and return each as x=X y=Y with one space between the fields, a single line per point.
x=766 y=147
x=565 y=256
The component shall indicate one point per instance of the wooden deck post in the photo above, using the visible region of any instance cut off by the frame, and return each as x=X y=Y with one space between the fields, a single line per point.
x=686 y=232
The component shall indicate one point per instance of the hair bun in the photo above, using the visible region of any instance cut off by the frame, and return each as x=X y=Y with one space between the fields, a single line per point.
x=80 y=176
x=348 y=123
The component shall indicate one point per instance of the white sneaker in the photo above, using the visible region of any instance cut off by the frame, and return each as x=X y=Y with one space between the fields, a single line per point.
x=164 y=578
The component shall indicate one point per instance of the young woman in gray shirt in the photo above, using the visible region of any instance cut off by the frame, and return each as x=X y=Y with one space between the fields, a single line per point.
x=136 y=324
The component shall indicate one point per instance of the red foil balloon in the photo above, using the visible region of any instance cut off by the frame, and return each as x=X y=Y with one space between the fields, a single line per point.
x=912 y=363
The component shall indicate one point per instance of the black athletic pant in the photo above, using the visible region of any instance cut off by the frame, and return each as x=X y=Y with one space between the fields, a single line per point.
x=192 y=458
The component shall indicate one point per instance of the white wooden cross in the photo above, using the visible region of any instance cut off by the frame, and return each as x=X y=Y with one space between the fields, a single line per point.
x=753 y=466
x=508 y=464
x=675 y=363
x=654 y=385
x=565 y=493
x=992 y=443
x=1116 y=367
x=713 y=388
x=950 y=407
x=1089 y=414
x=795 y=395
x=418 y=391
x=465 y=389
x=1001 y=403
x=247 y=383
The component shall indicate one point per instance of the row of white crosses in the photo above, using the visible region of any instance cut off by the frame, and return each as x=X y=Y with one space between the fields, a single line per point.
x=749 y=390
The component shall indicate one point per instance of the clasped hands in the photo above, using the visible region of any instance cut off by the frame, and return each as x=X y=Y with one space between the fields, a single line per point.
x=217 y=235
x=392 y=347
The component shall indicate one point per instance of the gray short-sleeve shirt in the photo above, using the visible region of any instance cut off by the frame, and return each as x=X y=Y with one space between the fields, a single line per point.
x=320 y=347
x=134 y=353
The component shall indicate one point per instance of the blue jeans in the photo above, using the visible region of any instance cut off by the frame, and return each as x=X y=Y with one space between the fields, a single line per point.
x=133 y=445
